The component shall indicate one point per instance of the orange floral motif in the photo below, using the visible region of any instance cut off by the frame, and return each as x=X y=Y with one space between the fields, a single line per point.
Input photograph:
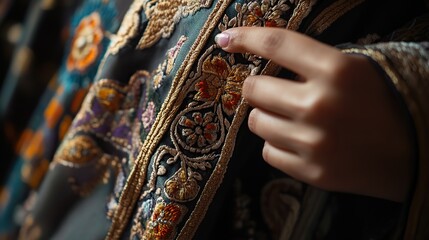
x=266 y=13
x=79 y=150
x=53 y=113
x=35 y=147
x=163 y=221
x=199 y=130
x=85 y=44
x=109 y=98
x=221 y=82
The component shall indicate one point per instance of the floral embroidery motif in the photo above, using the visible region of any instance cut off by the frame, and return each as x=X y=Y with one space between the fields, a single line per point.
x=189 y=162
x=85 y=44
x=79 y=150
x=182 y=187
x=163 y=221
x=128 y=29
x=265 y=13
x=221 y=81
x=101 y=135
x=163 y=16
x=199 y=130
x=166 y=67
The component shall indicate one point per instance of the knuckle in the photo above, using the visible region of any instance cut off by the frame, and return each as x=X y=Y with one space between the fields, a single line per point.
x=271 y=42
x=315 y=108
x=340 y=66
x=237 y=39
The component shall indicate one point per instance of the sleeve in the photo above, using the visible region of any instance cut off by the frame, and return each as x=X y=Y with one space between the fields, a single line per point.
x=406 y=64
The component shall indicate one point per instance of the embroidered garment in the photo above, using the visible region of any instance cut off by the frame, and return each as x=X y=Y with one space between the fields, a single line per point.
x=158 y=149
x=90 y=29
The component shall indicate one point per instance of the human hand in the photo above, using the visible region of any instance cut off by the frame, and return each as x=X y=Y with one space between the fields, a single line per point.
x=338 y=128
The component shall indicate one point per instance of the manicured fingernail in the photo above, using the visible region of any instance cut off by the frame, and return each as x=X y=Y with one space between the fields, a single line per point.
x=222 y=39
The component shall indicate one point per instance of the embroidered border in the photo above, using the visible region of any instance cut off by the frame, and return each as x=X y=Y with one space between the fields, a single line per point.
x=170 y=107
x=135 y=181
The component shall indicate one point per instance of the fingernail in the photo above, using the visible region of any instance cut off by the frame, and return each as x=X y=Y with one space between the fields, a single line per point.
x=222 y=39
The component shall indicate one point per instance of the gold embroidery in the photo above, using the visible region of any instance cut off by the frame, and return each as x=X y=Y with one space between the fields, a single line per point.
x=128 y=29
x=331 y=14
x=77 y=151
x=195 y=125
x=134 y=182
x=163 y=222
x=165 y=67
x=301 y=10
x=163 y=16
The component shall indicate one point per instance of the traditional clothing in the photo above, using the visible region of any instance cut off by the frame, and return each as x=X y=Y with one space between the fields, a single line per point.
x=158 y=149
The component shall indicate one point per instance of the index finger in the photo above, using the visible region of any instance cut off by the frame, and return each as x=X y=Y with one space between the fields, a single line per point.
x=294 y=51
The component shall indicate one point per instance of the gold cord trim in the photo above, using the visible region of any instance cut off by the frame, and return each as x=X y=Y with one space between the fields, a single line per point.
x=331 y=15
x=135 y=181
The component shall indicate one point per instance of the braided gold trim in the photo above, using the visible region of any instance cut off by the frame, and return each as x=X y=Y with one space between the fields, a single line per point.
x=135 y=181
x=330 y=15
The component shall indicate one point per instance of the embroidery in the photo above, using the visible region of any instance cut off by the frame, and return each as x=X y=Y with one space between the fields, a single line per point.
x=102 y=135
x=129 y=194
x=35 y=146
x=128 y=29
x=200 y=133
x=166 y=67
x=148 y=116
x=210 y=106
x=78 y=151
x=91 y=26
x=163 y=15
x=243 y=221
x=330 y=15
x=85 y=44
x=280 y=206
x=163 y=222
x=53 y=112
